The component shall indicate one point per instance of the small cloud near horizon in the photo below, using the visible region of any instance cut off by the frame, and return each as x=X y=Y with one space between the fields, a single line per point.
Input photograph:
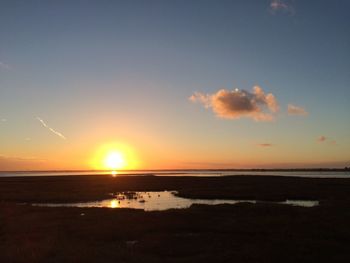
x=281 y=6
x=296 y=110
x=265 y=144
x=51 y=129
x=21 y=163
x=323 y=139
x=236 y=104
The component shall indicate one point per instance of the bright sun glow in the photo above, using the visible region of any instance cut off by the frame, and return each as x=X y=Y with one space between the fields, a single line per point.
x=114 y=156
x=115 y=160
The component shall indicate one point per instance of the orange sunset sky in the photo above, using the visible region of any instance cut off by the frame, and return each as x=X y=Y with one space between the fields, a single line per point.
x=174 y=84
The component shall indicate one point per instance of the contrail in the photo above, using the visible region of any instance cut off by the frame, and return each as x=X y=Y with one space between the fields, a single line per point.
x=52 y=130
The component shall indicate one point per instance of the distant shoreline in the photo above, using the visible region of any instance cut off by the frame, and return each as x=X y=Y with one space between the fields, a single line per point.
x=189 y=170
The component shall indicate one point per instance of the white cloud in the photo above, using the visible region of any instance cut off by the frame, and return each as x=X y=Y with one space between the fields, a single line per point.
x=237 y=103
x=50 y=129
x=296 y=110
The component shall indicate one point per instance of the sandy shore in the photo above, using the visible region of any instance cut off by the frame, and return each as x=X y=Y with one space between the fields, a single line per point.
x=224 y=233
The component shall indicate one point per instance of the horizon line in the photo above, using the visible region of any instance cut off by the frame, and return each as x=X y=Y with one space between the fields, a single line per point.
x=180 y=169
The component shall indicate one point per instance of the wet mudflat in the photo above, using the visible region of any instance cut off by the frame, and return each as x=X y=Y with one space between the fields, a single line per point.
x=244 y=232
x=163 y=200
x=59 y=189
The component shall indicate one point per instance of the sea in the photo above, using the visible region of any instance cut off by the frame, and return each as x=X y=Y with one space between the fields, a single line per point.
x=323 y=173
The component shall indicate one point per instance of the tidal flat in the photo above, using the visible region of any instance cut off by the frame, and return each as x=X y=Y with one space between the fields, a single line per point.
x=242 y=232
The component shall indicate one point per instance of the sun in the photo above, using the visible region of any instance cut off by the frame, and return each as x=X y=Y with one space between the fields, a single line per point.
x=115 y=161
x=114 y=156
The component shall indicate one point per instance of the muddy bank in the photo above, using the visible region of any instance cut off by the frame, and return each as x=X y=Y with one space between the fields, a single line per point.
x=224 y=233
x=89 y=188
x=262 y=232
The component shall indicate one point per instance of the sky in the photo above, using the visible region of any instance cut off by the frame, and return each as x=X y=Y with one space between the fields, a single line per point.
x=174 y=84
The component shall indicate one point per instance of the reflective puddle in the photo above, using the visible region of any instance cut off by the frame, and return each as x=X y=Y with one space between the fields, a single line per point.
x=156 y=201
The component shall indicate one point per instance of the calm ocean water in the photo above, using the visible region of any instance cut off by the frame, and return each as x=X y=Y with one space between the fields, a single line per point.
x=200 y=173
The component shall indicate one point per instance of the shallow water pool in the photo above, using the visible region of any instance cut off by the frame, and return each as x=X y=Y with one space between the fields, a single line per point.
x=164 y=200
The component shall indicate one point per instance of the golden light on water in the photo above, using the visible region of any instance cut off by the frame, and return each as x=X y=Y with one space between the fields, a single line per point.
x=114 y=203
x=114 y=156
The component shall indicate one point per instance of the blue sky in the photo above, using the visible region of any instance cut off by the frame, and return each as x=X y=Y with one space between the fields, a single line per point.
x=99 y=71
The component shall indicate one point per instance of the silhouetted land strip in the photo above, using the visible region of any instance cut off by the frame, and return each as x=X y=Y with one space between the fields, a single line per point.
x=224 y=233
x=90 y=188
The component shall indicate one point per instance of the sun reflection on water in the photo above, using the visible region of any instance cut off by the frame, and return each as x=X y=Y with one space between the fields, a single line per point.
x=164 y=200
x=114 y=204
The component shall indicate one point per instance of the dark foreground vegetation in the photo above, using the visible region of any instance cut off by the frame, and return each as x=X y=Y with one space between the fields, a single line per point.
x=226 y=233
